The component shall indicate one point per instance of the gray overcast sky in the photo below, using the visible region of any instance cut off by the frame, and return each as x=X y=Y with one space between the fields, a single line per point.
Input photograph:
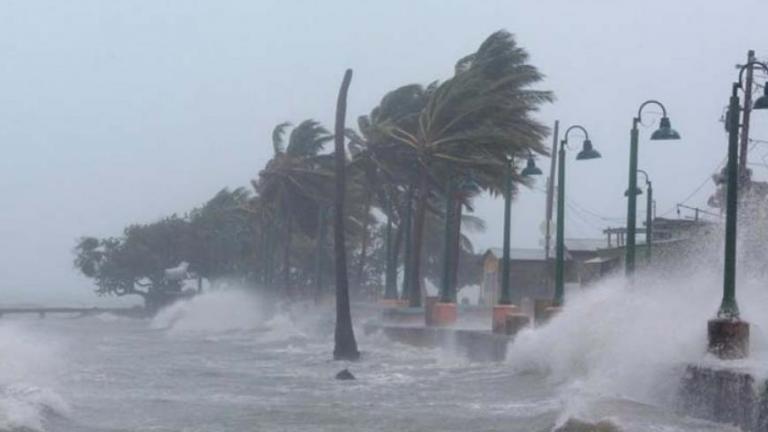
x=114 y=112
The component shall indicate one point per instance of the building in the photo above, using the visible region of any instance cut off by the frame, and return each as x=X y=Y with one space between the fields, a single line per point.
x=530 y=274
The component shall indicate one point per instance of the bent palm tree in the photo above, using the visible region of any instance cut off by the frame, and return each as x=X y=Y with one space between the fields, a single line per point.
x=296 y=183
x=473 y=122
x=344 y=336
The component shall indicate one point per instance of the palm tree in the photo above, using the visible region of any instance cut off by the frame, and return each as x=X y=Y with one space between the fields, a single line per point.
x=473 y=122
x=385 y=172
x=296 y=182
x=344 y=336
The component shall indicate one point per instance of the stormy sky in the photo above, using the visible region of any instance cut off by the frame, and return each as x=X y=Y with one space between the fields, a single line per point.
x=126 y=111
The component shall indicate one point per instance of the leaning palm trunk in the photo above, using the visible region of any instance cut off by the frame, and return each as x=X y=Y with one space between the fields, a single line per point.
x=417 y=240
x=390 y=275
x=345 y=344
x=398 y=244
x=453 y=281
x=408 y=253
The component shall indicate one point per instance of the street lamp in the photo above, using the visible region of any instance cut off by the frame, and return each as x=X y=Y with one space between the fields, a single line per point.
x=728 y=335
x=530 y=170
x=505 y=307
x=648 y=213
x=587 y=152
x=664 y=132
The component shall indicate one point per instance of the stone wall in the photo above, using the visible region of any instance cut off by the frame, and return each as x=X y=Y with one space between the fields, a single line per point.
x=724 y=395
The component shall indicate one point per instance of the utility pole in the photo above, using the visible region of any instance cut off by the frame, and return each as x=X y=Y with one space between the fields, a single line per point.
x=745 y=119
x=550 y=194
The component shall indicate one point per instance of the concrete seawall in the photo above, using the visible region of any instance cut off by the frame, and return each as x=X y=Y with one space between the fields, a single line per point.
x=475 y=345
x=725 y=395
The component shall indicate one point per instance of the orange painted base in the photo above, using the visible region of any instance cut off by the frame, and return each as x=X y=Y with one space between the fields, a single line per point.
x=499 y=318
x=429 y=306
x=444 y=314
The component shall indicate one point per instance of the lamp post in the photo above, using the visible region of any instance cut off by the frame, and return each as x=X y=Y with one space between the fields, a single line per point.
x=648 y=213
x=729 y=336
x=664 y=132
x=505 y=307
x=530 y=170
x=587 y=152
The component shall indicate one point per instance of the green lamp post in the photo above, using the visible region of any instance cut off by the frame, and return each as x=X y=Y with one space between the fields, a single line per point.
x=728 y=307
x=728 y=335
x=664 y=132
x=505 y=298
x=587 y=152
x=648 y=213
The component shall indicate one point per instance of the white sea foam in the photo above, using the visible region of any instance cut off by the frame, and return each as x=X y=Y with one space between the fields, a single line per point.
x=632 y=341
x=28 y=366
x=216 y=311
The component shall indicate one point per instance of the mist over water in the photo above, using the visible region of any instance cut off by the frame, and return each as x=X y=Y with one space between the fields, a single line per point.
x=29 y=366
x=228 y=360
x=232 y=360
x=216 y=311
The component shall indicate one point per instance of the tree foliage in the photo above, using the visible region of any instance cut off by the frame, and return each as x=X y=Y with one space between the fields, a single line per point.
x=414 y=142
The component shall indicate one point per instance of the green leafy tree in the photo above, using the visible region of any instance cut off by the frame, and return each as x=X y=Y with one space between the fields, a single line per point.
x=136 y=263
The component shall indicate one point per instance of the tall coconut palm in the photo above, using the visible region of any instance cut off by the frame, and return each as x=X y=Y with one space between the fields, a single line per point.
x=344 y=336
x=473 y=122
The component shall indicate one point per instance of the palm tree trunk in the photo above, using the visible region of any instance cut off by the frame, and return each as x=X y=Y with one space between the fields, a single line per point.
x=456 y=238
x=417 y=240
x=408 y=233
x=287 y=258
x=269 y=263
x=390 y=272
x=344 y=336
x=363 y=246
x=319 y=287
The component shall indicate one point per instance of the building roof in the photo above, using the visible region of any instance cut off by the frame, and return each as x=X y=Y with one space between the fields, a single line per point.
x=521 y=254
x=585 y=245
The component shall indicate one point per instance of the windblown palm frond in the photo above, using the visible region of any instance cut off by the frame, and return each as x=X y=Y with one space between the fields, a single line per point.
x=277 y=137
x=307 y=139
x=473 y=223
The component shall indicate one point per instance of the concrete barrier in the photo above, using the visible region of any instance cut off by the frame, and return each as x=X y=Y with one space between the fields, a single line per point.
x=475 y=345
x=515 y=322
x=499 y=317
x=724 y=395
x=403 y=315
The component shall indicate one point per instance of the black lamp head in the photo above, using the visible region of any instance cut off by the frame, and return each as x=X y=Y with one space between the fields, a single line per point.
x=530 y=168
x=665 y=131
x=588 y=152
x=762 y=101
